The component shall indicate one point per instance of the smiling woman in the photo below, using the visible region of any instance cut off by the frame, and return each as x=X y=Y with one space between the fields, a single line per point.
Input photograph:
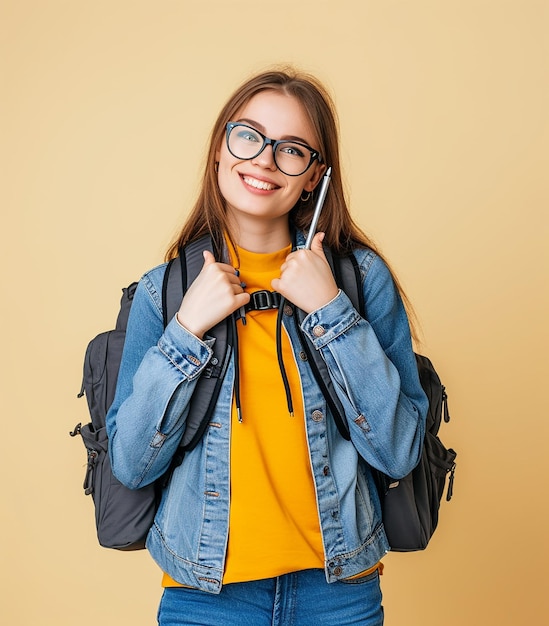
x=274 y=515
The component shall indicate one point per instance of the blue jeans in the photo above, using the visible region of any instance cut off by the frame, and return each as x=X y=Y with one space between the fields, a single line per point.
x=298 y=599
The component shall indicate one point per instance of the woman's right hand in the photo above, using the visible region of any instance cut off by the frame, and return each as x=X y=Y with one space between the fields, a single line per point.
x=215 y=294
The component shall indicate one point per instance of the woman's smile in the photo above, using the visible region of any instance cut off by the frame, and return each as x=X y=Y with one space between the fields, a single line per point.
x=257 y=184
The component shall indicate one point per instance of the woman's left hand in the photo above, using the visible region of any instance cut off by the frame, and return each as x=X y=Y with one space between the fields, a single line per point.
x=306 y=278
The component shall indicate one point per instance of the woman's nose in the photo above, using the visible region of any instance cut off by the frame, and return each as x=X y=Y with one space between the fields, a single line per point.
x=266 y=158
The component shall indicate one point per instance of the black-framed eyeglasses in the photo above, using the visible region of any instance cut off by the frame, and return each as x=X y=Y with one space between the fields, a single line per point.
x=292 y=158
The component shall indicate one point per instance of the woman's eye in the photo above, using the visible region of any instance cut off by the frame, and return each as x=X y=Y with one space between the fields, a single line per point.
x=248 y=136
x=292 y=150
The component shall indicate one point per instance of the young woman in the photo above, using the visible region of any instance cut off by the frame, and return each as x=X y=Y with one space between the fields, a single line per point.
x=274 y=517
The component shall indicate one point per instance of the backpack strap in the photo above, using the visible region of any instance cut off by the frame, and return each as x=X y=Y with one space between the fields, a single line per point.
x=347 y=276
x=125 y=306
x=173 y=288
x=180 y=273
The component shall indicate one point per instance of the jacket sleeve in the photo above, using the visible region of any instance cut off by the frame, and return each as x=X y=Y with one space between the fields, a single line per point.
x=373 y=366
x=157 y=376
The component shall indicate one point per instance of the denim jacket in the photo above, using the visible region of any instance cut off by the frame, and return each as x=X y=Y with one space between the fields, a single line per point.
x=373 y=368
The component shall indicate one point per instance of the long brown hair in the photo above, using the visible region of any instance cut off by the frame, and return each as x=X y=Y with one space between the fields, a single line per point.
x=209 y=214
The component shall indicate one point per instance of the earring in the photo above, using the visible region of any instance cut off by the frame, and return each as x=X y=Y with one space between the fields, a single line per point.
x=216 y=167
x=304 y=199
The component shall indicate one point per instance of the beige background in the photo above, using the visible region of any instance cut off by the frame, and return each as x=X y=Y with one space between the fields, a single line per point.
x=105 y=111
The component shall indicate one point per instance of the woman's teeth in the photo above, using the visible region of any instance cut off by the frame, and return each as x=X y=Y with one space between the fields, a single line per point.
x=258 y=184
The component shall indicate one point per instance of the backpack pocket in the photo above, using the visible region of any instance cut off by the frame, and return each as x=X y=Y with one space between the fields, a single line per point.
x=123 y=516
x=411 y=505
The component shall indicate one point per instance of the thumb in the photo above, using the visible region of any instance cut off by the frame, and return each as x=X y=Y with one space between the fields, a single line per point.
x=208 y=258
x=316 y=245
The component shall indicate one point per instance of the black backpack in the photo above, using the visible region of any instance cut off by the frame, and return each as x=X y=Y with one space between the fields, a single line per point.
x=410 y=506
x=124 y=516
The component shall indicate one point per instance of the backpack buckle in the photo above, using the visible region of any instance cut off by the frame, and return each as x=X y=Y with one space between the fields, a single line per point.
x=263 y=301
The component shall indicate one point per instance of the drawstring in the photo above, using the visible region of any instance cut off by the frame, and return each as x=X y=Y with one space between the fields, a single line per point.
x=241 y=314
x=234 y=318
x=280 y=359
x=234 y=342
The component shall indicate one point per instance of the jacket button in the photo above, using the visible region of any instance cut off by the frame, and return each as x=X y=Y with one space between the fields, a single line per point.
x=317 y=416
x=303 y=356
x=318 y=331
x=326 y=470
x=288 y=310
x=338 y=570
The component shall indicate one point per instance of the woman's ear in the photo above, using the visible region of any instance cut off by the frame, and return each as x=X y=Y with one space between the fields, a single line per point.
x=318 y=173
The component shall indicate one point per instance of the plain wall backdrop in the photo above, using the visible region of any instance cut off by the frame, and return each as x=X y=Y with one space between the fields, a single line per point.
x=106 y=107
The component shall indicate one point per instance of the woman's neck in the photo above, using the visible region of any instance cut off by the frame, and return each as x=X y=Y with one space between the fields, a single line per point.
x=261 y=236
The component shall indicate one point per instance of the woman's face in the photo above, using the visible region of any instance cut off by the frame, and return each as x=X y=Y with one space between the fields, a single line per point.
x=256 y=189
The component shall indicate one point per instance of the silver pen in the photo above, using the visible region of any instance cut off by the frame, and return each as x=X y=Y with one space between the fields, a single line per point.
x=318 y=207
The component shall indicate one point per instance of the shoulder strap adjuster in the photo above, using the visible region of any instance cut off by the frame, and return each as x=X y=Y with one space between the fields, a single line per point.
x=263 y=301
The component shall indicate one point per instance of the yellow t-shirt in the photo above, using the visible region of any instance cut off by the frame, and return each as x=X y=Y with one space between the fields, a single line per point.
x=273 y=527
